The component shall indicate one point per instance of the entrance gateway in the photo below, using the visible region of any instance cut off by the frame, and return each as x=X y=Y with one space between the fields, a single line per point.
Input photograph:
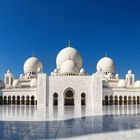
x=69 y=97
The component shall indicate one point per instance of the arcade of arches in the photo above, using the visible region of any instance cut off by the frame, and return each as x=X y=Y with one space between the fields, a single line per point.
x=121 y=100
x=69 y=99
x=17 y=100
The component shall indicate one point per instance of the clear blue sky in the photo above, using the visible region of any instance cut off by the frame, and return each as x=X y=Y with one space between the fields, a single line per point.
x=93 y=26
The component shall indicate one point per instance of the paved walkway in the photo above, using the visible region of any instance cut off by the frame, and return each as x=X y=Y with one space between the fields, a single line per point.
x=115 y=123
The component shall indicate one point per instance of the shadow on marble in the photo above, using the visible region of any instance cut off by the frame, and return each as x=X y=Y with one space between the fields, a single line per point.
x=31 y=122
x=71 y=128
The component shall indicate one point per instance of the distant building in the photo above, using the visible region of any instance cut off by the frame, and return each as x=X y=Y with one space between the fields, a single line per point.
x=70 y=84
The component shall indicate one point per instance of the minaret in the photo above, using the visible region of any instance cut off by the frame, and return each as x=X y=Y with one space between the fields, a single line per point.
x=9 y=78
x=130 y=79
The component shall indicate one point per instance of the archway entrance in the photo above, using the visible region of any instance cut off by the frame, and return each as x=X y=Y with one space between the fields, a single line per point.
x=106 y=100
x=55 y=99
x=32 y=100
x=18 y=100
x=134 y=100
x=125 y=100
x=1 y=100
x=22 y=100
x=5 y=100
x=116 y=100
x=69 y=97
x=9 y=100
x=27 y=100
x=13 y=100
x=111 y=100
x=83 y=99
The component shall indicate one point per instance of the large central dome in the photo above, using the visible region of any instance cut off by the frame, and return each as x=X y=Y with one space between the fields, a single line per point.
x=69 y=53
x=69 y=67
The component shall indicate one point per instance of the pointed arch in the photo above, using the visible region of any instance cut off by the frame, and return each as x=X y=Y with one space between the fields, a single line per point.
x=125 y=100
x=27 y=100
x=18 y=100
x=9 y=100
x=106 y=100
x=116 y=100
x=83 y=99
x=55 y=99
x=32 y=100
x=111 y=100
x=5 y=100
x=69 y=95
x=13 y=100
x=1 y=100
x=22 y=100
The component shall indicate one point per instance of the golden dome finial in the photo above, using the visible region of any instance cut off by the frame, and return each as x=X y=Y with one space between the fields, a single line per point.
x=105 y=54
x=69 y=43
x=33 y=54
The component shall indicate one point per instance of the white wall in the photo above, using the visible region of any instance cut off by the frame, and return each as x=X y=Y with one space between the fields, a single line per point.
x=97 y=92
x=90 y=85
x=41 y=89
x=80 y=84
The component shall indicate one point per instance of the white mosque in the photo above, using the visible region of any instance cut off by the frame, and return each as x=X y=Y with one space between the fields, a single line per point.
x=69 y=84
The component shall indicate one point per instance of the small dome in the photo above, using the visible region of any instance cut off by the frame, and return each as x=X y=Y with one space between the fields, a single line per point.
x=52 y=73
x=69 y=53
x=137 y=84
x=69 y=66
x=121 y=83
x=129 y=72
x=32 y=64
x=33 y=82
x=55 y=70
x=106 y=64
x=82 y=71
x=17 y=84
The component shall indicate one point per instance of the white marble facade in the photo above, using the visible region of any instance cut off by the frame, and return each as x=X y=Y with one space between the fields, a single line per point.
x=69 y=84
